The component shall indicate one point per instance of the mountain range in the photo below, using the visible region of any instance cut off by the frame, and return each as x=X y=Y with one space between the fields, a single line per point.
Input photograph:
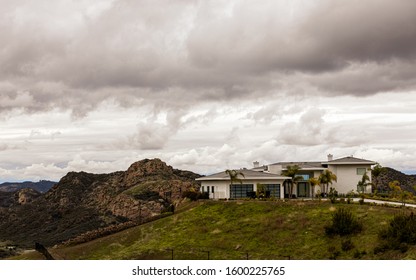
x=41 y=186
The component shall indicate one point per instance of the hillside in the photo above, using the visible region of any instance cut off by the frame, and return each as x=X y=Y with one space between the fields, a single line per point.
x=83 y=202
x=41 y=186
x=244 y=229
x=407 y=182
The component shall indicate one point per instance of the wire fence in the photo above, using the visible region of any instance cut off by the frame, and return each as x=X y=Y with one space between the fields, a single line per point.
x=204 y=253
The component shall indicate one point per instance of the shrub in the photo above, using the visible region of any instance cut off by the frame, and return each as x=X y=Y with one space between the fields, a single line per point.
x=147 y=195
x=359 y=254
x=343 y=223
x=333 y=194
x=401 y=232
x=347 y=245
x=333 y=253
x=195 y=195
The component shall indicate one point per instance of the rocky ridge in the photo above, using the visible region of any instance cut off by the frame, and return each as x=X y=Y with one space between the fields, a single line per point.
x=83 y=202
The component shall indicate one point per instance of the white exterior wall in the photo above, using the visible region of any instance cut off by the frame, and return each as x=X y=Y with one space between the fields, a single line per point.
x=347 y=178
x=222 y=188
x=275 y=169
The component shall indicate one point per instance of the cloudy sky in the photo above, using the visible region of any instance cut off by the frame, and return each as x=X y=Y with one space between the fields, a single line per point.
x=204 y=85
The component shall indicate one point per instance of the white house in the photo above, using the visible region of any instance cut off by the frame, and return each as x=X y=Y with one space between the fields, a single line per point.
x=349 y=171
x=218 y=185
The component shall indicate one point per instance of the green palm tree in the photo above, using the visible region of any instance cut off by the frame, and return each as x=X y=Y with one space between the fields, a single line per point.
x=313 y=182
x=292 y=171
x=363 y=183
x=233 y=174
x=326 y=178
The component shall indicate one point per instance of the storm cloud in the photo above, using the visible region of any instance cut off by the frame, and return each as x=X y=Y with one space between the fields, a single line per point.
x=65 y=53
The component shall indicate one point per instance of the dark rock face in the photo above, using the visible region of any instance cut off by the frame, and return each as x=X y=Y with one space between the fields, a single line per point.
x=7 y=200
x=83 y=202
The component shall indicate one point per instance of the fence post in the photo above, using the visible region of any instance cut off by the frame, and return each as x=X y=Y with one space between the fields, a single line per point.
x=207 y=253
x=171 y=250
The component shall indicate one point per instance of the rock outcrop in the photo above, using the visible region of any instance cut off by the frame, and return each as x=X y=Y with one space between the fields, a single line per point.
x=25 y=196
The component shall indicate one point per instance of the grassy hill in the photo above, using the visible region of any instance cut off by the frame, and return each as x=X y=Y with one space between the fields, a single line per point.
x=245 y=229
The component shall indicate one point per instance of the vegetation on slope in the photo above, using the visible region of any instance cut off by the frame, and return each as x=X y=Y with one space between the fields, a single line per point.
x=247 y=229
x=407 y=182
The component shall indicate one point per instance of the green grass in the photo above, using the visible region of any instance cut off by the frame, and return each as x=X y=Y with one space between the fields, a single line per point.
x=237 y=229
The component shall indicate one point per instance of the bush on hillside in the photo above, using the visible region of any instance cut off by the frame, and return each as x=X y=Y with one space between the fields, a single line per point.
x=347 y=245
x=195 y=195
x=400 y=232
x=333 y=194
x=343 y=223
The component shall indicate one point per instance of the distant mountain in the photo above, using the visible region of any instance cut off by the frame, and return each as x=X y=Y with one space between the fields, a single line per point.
x=41 y=186
x=81 y=202
x=407 y=182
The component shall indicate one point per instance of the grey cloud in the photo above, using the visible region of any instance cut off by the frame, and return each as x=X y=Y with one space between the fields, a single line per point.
x=7 y=146
x=378 y=30
x=153 y=135
x=312 y=129
x=189 y=51
x=364 y=79
x=309 y=130
x=3 y=147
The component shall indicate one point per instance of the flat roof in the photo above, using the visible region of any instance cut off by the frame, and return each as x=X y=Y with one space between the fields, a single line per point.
x=317 y=165
x=350 y=160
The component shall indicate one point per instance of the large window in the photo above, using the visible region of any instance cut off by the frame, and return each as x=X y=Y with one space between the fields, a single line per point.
x=361 y=171
x=273 y=189
x=303 y=189
x=240 y=190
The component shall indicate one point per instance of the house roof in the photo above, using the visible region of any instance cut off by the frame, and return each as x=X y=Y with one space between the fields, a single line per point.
x=350 y=160
x=310 y=165
x=248 y=175
x=318 y=165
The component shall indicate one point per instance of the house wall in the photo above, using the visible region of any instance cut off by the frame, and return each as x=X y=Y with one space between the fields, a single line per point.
x=275 y=169
x=347 y=177
x=222 y=188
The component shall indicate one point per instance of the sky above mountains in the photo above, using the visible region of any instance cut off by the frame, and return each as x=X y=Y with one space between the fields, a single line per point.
x=204 y=85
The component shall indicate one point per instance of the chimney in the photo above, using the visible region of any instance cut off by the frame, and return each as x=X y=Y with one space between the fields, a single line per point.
x=256 y=164
x=330 y=157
